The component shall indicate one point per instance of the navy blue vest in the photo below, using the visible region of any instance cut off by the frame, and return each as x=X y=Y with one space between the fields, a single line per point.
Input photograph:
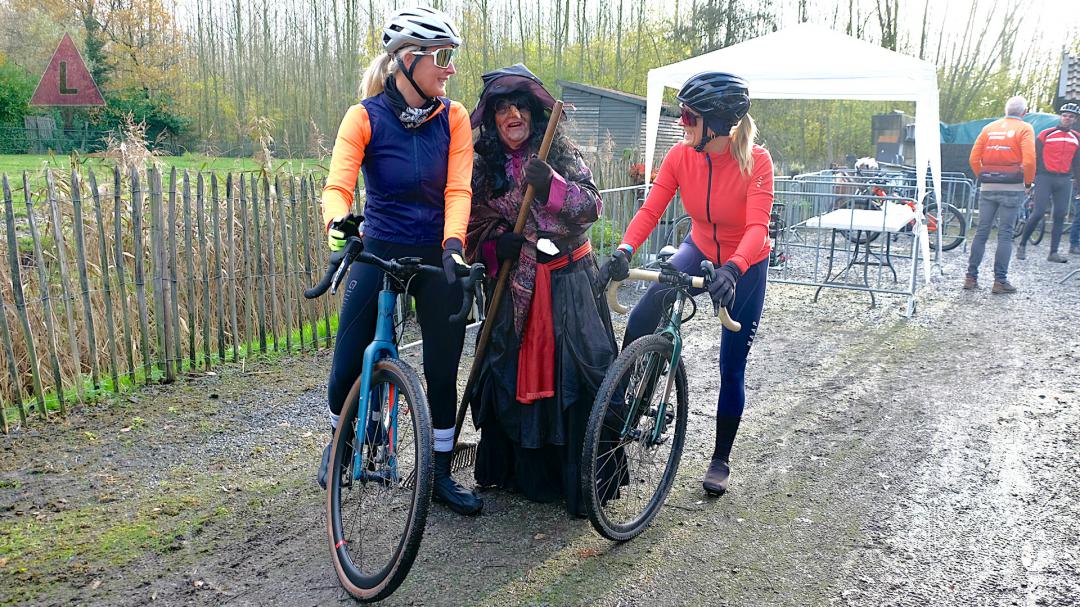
x=405 y=175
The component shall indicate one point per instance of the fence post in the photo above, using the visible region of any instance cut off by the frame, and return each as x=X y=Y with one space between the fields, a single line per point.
x=9 y=355
x=268 y=199
x=204 y=255
x=298 y=241
x=306 y=219
x=121 y=271
x=174 y=290
x=230 y=234
x=189 y=248
x=215 y=216
x=140 y=275
x=106 y=281
x=46 y=301
x=259 y=274
x=84 y=283
x=249 y=297
x=321 y=256
x=20 y=302
x=61 y=258
x=287 y=292
x=162 y=286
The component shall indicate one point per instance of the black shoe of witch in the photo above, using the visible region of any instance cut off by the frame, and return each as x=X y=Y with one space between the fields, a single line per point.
x=447 y=491
x=716 y=479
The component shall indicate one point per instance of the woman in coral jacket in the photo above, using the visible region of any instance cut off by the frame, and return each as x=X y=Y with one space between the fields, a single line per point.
x=415 y=148
x=726 y=185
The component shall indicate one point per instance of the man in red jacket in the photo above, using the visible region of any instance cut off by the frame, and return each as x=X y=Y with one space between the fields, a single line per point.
x=1058 y=165
x=1003 y=159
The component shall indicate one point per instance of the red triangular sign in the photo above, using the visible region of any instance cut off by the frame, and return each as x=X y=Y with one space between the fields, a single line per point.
x=67 y=81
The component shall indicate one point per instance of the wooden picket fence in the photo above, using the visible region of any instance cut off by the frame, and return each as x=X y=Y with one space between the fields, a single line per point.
x=145 y=277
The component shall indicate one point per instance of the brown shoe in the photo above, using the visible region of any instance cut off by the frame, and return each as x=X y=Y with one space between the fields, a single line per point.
x=1055 y=258
x=1001 y=287
x=970 y=283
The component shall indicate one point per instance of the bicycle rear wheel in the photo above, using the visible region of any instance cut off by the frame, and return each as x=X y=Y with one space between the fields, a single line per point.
x=377 y=503
x=632 y=445
x=951 y=224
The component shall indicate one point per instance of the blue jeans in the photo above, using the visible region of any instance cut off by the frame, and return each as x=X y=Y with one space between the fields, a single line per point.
x=734 y=347
x=1002 y=206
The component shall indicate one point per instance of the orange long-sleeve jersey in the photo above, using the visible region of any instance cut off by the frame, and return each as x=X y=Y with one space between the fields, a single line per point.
x=417 y=181
x=1007 y=142
x=729 y=210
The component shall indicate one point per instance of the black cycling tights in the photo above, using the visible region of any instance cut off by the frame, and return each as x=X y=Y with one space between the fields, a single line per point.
x=435 y=302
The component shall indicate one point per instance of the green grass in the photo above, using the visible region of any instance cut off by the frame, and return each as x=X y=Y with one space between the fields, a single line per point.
x=14 y=164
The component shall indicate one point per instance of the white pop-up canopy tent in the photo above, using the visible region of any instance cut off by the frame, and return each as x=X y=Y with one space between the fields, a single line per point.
x=808 y=61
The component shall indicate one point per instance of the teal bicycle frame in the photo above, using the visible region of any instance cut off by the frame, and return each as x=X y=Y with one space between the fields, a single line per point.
x=384 y=345
x=647 y=384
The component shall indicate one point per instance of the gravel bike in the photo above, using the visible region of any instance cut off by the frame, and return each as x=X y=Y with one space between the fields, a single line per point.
x=380 y=476
x=637 y=427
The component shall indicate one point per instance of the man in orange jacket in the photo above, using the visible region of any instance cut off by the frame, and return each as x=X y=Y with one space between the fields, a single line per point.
x=1003 y=160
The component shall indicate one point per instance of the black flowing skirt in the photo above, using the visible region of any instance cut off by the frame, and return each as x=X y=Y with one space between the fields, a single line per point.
x=535 y=449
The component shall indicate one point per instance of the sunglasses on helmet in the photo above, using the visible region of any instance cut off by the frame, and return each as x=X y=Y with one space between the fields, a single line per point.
x=442 y=57
x=687 y=118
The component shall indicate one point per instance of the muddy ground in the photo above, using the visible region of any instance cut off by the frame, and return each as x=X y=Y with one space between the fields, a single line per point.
x=882 y=461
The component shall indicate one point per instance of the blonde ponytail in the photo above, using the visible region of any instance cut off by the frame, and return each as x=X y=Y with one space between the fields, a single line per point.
x=376 y=74
x=742 y=143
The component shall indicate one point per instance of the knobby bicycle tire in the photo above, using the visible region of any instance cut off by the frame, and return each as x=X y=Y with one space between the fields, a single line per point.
x=599 y=485
x=375 y=583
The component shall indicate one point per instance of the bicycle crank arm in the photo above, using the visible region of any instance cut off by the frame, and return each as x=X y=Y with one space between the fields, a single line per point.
x=654 y=276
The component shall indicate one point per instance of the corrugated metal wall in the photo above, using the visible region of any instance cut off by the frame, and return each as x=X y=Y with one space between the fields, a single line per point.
x=599 y=122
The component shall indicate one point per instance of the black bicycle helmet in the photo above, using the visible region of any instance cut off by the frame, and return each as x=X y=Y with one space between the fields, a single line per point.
x=1071 y=108
x=721 y=98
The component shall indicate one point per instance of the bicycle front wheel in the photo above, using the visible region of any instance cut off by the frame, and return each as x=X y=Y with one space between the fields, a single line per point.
x=634 y=439
x=379 y=485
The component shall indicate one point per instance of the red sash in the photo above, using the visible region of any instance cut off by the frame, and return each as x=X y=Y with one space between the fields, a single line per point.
x=536 y=357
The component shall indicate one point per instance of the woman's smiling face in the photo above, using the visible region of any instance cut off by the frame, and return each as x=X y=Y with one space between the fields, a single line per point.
x=514 y=122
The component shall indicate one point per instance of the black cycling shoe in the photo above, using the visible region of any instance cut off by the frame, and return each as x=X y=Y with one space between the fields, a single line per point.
x=447 y=491
x=325 y=465
x=716 y=479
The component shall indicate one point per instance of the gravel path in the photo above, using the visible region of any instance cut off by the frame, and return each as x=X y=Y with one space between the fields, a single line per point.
x=882 y=461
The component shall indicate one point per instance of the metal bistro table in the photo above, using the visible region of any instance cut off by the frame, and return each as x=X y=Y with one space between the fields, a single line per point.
x=890 y=219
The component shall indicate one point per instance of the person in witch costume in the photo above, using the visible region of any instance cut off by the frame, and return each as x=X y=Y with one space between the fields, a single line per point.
x=552 y=339
x=415 y=148
x=725 y=182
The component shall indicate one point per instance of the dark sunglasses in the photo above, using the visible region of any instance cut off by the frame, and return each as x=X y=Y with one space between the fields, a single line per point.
x=502 y=108
x=442 y=57
x=688 y=118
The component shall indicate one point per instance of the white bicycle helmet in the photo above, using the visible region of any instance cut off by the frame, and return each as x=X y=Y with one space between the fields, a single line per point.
x=419 y=26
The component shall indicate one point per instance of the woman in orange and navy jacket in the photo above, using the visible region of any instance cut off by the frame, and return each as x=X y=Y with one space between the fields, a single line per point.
x=726 y=185
x=415 y=149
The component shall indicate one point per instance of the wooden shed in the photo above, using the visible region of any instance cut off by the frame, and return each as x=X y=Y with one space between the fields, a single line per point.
x=603 y=117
